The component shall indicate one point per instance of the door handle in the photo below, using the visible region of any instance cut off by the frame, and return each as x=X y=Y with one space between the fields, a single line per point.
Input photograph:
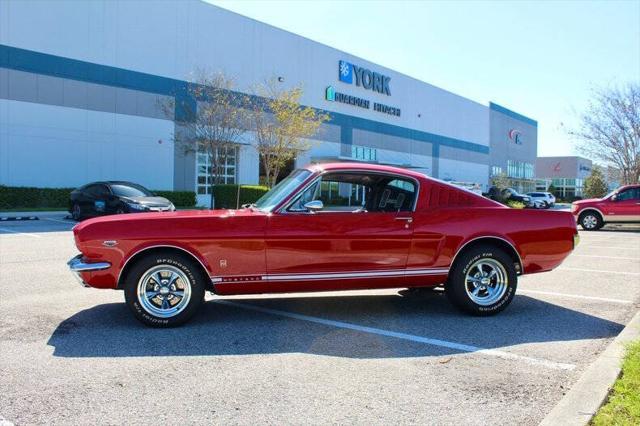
x=408 y=219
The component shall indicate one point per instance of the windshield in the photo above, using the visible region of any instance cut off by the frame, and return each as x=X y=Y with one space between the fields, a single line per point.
x=130 y=191
x=279 y=192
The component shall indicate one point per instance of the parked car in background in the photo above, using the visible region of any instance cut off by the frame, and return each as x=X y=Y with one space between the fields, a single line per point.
x=114 y=197
x=548 y=198
x=327 y=227
x=619 y=206
x=510 y=194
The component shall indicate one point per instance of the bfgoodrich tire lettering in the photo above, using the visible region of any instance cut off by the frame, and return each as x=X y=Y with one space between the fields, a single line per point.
x=164 y=289
x=483 y=281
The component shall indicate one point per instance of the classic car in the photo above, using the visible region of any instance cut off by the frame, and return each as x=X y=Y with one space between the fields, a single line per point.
x=619 y=206
x=340 y=226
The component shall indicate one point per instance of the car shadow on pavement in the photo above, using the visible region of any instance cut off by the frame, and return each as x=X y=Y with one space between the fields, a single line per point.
x=109 y=330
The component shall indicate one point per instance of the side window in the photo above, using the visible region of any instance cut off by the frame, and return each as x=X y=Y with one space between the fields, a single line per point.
x=97 y=191
x=350 y=192
x=629 y=194
x=398 y=195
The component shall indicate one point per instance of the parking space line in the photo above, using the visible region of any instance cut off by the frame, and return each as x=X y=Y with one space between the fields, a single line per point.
x=58 y=220
x=605 y=257
x=576 y=296
x=11 y=231
x=600 y=271
x=616 y=248
x=403 y=336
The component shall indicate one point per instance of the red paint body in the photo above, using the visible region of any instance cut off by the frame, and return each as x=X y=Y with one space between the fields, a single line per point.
x=610 y=209
x=249 y=251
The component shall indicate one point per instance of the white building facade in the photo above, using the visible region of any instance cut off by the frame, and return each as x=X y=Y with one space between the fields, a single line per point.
x=82 y=84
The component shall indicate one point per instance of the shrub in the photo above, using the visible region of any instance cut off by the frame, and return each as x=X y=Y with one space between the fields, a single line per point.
x=226 y=196
x=12 y=197
x=515 y=204
x=22 y=197
x=179 y=198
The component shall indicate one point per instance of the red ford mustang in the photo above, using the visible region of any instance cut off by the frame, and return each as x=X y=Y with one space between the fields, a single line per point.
x=337 y=226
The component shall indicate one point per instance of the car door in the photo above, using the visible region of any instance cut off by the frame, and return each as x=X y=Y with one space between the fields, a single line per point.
x=95 y=198
x=626 y=206
x=363 y=232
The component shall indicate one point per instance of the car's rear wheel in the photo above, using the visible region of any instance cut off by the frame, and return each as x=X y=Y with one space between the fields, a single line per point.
x=76 y=212
x=590 y=221
x=483 y=281
x=164 y=289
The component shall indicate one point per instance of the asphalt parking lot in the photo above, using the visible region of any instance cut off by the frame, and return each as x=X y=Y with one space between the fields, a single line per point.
x=75 y=355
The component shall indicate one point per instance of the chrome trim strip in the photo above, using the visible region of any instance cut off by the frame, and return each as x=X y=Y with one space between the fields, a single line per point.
x=158 y=246
x=334 y=275
x=489 y=236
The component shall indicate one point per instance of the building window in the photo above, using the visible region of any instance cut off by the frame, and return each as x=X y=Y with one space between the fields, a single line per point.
x=519 y=170
x=364 y=153
x=496 y=171
x=227 y=159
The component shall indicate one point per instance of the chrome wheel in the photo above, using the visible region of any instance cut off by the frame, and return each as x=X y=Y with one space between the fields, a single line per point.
x=164 y=291
x=486 y=282
x=589 y=221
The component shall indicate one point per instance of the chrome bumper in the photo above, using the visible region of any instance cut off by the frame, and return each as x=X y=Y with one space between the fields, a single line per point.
x=76 y=265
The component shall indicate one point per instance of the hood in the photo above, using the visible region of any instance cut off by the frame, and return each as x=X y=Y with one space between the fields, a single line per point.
x=149 y=201
x=587 y=201
x=164 y=222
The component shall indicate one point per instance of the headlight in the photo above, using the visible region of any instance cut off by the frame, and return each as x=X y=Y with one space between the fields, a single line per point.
x=136 y=207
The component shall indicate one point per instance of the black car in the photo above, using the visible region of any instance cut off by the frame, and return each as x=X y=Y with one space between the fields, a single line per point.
x=114 y=197
x=510 y=194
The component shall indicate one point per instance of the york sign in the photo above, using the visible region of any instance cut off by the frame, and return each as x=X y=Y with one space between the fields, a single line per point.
x=363 y=77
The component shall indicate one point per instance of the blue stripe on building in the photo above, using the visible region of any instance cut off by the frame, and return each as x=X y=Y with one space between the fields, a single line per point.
x=513 y=114
x=58 y=66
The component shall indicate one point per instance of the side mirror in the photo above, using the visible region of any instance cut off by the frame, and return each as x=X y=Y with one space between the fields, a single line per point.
x=614 y=197
x=313 y=206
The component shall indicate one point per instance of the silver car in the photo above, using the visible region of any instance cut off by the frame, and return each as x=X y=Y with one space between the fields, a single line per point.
x=546 y=197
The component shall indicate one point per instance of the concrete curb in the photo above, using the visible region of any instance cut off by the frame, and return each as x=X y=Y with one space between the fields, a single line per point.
x=584 y=399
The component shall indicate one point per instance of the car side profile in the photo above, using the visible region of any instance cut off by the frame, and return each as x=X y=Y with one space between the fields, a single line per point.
x=546 y=197
x=114 y=197
x=340 y=226
x=619 y=206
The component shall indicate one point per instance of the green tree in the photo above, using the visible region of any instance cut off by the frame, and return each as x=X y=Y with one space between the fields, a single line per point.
x=500 y=181
x=213 y=123
x=282 y=126
x=595 y=186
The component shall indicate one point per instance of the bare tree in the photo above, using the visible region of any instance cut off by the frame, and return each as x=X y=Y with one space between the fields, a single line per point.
x=213 y=121
x=282 y=126
x=610 y=130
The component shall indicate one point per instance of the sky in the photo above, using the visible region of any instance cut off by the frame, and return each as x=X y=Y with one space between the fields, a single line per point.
x=540 y=58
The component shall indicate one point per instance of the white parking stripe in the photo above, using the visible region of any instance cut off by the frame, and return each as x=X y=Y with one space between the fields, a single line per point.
x=599 y=270
x=575 y=296
x=614 y=248
x=404 y=336
x=605 y=257
x=58 y=220
x=11 y=231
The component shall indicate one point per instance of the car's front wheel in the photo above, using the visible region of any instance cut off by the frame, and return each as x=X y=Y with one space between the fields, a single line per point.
x=590 y=221
x=76 y=212
x=164 y=289
x=483 y=281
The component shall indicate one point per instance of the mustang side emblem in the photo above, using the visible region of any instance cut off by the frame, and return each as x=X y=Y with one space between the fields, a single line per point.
x=110 y=243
